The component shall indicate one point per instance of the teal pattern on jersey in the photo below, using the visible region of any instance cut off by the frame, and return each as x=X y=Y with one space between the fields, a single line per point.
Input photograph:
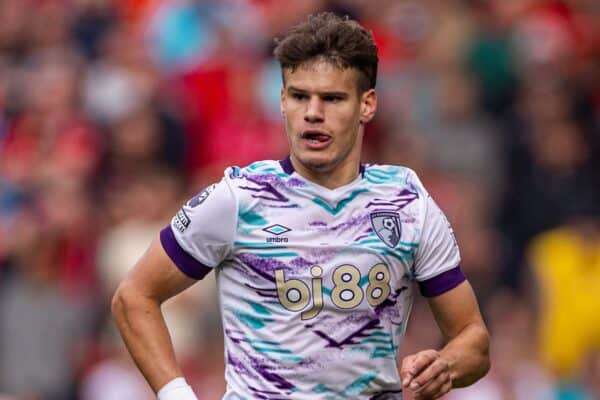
x=352 y=390
x=258 y=308
x=379 y=175
x=291 y=359
x=251 y=321
x=261 y=349
x=388 y=351
x=272 y=348
x=265 y=168
x=257 y=245
x=257 y=165
x=406 y=257
x=235 y=172
x=360 y=384
x=341 y=204
x=250 y=217
x=267 y=250
x=384 y=346
x=373 y=241
x=277 y=255
x=260 y=341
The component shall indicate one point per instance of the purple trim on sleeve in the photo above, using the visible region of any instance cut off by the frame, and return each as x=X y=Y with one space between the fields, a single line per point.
x=442 y=283
x=186 y=263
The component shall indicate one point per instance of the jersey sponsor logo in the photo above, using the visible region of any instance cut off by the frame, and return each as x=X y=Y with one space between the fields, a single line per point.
x=200 y=197
x=387 y=226
x=347 y=291
x=277 y=230
x=181 y=221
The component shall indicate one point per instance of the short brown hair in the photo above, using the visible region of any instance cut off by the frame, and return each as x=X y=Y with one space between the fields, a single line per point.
x=337 y=40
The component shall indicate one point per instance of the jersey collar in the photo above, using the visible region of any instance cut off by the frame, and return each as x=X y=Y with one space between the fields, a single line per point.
x=288 y=168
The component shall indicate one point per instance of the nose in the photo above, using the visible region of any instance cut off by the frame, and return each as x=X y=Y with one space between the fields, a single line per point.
x=314 y=110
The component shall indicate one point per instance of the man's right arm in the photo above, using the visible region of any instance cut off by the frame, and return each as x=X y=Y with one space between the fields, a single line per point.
x=199 y=237
x=136 y=310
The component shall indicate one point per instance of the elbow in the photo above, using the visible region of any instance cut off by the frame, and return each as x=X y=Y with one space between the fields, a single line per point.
x=481 y=371
x=129 y=301
x=123 y=300
x=484 y=360
x=486 y=364
x=118 y=304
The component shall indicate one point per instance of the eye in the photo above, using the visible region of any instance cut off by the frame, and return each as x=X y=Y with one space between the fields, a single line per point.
x=332 y=99
x=299 y=96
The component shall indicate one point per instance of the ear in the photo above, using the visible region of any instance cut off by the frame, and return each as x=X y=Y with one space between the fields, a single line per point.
x=368 y=106
x=282 y=101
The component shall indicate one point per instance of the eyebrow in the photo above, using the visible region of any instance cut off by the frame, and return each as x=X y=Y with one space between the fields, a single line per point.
x=327 y=93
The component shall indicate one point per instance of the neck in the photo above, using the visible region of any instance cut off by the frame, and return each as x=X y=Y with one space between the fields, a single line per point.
x=331 y=178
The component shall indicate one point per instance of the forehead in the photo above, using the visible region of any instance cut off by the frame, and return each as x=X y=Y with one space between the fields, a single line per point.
x=321 y=76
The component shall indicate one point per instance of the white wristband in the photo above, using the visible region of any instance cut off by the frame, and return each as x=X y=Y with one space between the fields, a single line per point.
x=177 y=389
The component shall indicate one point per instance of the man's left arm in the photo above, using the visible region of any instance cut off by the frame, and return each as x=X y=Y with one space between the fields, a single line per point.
x=463 y=360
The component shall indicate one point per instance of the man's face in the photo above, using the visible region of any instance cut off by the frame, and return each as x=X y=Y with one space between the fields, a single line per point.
x=324 y=115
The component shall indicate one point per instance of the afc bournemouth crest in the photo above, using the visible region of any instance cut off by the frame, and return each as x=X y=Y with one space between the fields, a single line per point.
x=386 y=225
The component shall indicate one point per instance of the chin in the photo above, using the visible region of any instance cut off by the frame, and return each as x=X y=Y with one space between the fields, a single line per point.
x=317 y=163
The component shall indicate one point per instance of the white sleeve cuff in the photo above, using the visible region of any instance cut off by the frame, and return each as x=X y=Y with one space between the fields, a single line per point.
x=177 y=389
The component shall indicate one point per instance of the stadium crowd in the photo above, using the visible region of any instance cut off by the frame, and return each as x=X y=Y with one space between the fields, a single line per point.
x=114 y=112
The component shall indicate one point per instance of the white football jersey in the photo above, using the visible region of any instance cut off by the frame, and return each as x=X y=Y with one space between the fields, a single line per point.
x=315 y=285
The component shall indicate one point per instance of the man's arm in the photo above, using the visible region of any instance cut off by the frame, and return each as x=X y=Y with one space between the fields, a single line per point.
x=136 y=310
x=464 y=359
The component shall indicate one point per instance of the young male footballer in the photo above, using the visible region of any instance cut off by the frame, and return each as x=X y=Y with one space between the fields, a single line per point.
x=316 y=256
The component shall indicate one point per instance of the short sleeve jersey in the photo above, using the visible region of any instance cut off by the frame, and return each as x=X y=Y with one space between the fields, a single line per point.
x=315 y=285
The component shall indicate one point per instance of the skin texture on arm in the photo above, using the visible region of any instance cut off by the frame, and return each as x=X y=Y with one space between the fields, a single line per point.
x=136 y=310
x=464 y=359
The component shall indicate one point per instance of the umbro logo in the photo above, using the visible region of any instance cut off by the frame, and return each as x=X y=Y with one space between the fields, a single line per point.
x=277 y=230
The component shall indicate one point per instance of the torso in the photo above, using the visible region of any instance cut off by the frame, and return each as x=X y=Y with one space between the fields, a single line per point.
x=314 y=300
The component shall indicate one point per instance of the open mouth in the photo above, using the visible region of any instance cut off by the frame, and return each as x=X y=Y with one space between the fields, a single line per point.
x=316 y=137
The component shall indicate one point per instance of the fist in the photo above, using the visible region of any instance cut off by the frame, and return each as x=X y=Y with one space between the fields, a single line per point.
x=426 y=374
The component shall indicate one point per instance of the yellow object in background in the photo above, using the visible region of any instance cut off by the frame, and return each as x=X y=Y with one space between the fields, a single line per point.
x=566 y=265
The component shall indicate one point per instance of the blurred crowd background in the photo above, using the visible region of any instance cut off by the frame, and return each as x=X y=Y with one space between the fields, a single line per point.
x=114 y=112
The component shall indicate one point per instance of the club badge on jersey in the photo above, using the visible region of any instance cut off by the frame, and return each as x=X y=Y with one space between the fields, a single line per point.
x=387 y=226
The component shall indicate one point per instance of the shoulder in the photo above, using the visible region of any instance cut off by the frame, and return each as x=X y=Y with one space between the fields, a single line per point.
x=257 y=168
x=384 y=173
x=262 y=180
x=396 y=176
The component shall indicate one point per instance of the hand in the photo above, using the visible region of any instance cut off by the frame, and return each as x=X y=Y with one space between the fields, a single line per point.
x=427 y=374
